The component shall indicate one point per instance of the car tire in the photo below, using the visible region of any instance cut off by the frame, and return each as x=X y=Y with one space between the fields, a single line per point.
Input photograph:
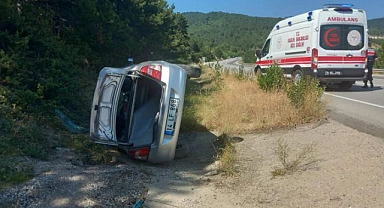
x=297 y=75
x=182 y=151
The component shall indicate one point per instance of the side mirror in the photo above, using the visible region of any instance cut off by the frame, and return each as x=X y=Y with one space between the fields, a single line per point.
x=258 y=53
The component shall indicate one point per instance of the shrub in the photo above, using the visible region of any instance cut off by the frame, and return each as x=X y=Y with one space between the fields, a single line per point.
x=273 y=79
x=304 y=90
x=13 y=171
x=304 y=157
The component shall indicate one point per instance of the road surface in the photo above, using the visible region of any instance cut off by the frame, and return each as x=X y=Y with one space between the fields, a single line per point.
x=359 y=108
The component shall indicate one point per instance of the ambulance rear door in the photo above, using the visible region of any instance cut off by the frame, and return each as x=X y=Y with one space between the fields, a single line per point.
x=342 y=41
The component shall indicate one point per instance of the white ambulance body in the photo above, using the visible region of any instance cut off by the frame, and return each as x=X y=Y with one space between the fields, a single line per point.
x=329 y=44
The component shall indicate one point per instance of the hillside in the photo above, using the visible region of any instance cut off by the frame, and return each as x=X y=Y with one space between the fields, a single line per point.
x=376 y=27
x=230 y=34
x=217 y=28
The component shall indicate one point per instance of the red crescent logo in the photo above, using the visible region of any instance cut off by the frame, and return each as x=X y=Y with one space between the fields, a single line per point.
x=326 y=34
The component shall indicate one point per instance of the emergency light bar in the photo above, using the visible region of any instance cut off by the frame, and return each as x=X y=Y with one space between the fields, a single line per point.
x=338 y=5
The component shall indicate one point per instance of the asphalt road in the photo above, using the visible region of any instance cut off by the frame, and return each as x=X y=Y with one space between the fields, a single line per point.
x=231 y=63
x=358 y=108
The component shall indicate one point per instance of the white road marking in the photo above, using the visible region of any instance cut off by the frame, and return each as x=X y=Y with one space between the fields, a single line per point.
x=357 y=101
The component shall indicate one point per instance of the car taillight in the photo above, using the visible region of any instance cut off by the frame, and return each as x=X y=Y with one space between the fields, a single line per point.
x=141 y=153
x=152 y=70
x=315 y=58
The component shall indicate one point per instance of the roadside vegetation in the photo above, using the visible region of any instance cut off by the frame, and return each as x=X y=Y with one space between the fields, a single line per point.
x=299 y=161
x=233 y=104
x=50 y=55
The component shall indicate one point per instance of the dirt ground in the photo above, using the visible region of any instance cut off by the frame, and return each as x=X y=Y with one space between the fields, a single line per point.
x=348 y=172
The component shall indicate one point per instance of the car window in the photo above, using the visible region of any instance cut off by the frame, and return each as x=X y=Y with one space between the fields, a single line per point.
x=342 y=37
x=265 y=50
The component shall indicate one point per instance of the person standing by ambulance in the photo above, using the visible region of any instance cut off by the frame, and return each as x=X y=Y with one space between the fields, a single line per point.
x=371 y=56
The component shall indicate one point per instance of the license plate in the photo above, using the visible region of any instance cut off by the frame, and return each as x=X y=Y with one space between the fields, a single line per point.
x=333 y=73
x=172 y=116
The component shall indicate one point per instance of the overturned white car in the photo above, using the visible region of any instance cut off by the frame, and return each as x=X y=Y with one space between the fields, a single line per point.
x=139 y=108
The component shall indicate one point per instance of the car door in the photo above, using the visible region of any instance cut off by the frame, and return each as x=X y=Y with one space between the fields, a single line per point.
x=354 y=61
x=331 y=53
x=104 y=107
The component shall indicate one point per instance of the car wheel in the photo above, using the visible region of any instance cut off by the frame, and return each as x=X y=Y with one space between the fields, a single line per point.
x=182 y=151
x=297 y=76
x=345 y=85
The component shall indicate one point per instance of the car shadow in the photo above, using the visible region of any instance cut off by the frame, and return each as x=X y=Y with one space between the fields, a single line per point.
x=354 y=88
x=181 y=177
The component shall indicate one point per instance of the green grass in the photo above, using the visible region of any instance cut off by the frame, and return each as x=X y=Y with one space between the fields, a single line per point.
x=92 y=153
x=12 y=171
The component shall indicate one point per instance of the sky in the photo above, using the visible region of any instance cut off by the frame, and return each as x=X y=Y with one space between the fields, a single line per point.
x=273 y=8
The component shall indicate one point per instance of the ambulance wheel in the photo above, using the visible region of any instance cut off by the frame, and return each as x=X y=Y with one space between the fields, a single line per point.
x=182 y=151
x=345 y=85
x=297 y=75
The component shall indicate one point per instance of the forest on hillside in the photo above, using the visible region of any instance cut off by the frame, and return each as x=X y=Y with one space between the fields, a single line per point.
x=46 y=46
x=376 y=27
x=219 y=34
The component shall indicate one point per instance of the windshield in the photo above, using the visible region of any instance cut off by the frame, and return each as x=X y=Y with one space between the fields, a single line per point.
x=342 y=37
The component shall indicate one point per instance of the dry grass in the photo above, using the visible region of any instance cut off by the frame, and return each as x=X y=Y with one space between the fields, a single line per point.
x=231 y=105
x=290 y=164
x=226 y=154
x=241 y=107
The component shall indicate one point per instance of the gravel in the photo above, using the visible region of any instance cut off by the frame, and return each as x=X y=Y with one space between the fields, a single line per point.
x=64 y=181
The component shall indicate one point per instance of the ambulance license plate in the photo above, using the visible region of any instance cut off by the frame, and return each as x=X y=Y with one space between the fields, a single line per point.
x=333 y=73
x=172 y=116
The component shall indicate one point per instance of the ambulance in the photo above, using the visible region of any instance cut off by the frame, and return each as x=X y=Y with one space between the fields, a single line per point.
x=329 y=44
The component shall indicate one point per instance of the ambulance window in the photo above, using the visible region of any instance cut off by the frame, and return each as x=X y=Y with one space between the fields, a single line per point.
x=330 y=37
x=355 y=37
x=342 y=37
x=265 y=50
